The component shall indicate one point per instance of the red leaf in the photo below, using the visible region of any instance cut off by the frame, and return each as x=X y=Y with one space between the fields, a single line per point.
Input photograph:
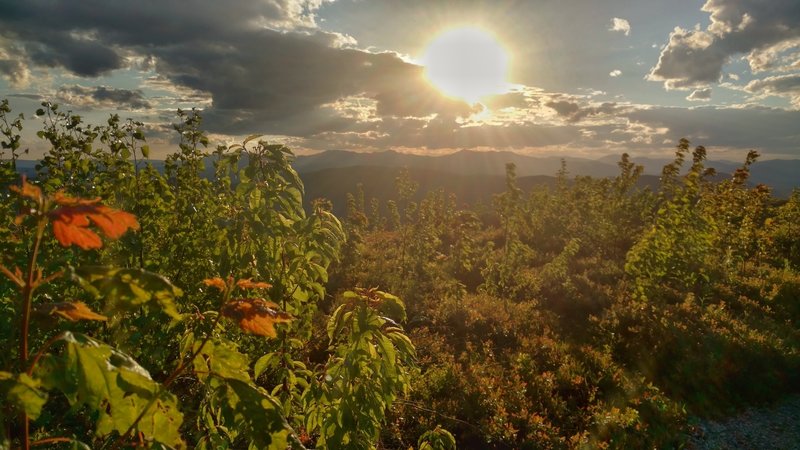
x=28 y=190
x=216 y=282
x=72 y=219
x=248 y=283
x=255 y=315
x=72 y=311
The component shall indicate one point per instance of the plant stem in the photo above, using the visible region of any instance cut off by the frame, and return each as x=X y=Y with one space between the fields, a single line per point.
x=27 y=295
x=53 y=440
x=41 y=351
x=27 y=298
x=178 y=370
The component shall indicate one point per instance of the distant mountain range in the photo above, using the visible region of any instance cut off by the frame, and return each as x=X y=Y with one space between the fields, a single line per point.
x=476 y=176
x=782 y=175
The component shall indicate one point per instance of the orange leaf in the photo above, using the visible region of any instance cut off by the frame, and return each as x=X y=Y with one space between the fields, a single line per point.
x=74 y=230
x=72 y=311
x=63 y=199
x=71 y=222
x=247 y=283
x=216 y=282
x=28 y=190
x=255 y=315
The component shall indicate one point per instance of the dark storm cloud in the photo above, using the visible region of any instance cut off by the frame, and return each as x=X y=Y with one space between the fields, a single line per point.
x=102 y=97
x=261 y=63
x=695 y=58
x=84 y=58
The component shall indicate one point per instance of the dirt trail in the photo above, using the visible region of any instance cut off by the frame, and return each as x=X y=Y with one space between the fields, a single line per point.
x=775 y=427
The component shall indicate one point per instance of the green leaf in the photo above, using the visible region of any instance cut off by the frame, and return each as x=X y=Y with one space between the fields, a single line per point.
x=254 y=414
x=264 y=363
x=250 y=138
x=23 y=393
x=128 y=288
x=220 y=357
x=118 y=390
x=392 y=306
x=335 y=322
x=437 y=439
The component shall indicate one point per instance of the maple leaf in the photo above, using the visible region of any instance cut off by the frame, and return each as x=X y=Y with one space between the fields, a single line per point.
x=71 y=311
x=247 y=283
x=72 y=218
x=255 y=315
x=216 y=282
x=28 y=190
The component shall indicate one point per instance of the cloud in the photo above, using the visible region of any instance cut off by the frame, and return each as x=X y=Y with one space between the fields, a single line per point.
x=777 y=57
x=751 y=127
x=622 y=25
x=782 y=85
x=102 y=97
x=573 y=111
x=12 y=65
x=689 y=60
x=615 y=73
x=264 y=64
x=700 y=95
x=694 y=58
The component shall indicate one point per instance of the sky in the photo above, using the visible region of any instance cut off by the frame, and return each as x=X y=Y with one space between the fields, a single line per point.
x=584 y=78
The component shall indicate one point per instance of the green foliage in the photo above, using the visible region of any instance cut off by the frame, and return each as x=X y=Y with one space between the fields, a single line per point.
x=209 y=309
x=114 y=388
x=171 y=366
x=592 y=313
x=368 y=367
x=437 y=439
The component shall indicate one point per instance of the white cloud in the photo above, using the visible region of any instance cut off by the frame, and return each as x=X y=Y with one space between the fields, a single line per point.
x=775 y=57
x=782 y=85
x=615 y=73
x=689 y=60
x=12 y=64
x=700 y=95
x=765 y=31
x=622 y=25
x=102 y=97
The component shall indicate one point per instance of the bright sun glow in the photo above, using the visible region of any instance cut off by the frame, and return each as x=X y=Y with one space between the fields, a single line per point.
x=466 y=63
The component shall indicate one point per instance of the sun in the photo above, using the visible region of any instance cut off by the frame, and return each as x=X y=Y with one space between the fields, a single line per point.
x=467 y=63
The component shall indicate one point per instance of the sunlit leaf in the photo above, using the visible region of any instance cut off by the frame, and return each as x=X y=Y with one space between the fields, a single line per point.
x=28 y=190
x=72 y=218
x=23 y=393
x=255 y=315
x=74 y=311
x=221 y=358
x=129 y=288
x=247 y=283
x=251 y=412
x=216 y=282
x=117 y=389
